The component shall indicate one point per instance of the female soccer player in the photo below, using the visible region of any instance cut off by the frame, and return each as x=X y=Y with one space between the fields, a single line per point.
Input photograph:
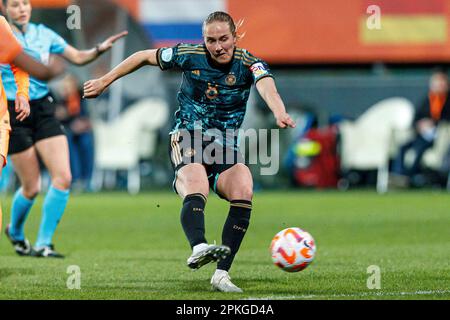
x=40 y=134
x=12 y=53
x=217 y=77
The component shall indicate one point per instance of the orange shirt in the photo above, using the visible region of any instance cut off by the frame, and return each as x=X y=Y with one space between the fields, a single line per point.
x=437 y=102
x=10 y=48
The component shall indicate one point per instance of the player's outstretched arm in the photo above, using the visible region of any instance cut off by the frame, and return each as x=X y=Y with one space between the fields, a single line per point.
x=94 y=88
x=37 y=69
x=268 y=91
x=22 y=106
x=82 y=57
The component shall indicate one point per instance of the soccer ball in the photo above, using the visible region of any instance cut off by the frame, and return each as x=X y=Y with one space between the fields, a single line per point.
x=292 y=249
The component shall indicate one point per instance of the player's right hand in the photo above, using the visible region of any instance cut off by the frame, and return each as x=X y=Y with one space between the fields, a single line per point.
x=93 y=88
x=22 y=108
x=285 y=121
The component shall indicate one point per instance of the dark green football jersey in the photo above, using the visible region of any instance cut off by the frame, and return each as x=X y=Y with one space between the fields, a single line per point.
x=214 y=96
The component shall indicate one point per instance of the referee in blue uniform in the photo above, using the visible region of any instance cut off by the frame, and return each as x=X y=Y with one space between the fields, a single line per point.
x=39 y=136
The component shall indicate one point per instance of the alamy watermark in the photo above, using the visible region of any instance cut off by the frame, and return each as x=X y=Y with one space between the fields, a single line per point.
x=373 y=22
x=73 y=21
x=74 y=279
x=374 y=280
x=212 y=146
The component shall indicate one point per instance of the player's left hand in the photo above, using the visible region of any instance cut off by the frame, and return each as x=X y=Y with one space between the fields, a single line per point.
x=108 y=43
x=93 y=88
x=22 y=108
x=284 y=121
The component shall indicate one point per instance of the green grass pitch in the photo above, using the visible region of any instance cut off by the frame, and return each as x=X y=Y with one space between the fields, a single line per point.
x=133 y=247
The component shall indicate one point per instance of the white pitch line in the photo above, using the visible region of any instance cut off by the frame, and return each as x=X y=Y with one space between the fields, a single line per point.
x=362 y=294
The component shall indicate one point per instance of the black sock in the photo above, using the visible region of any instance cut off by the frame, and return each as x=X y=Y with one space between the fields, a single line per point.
x=193 y=218
x=234 y=229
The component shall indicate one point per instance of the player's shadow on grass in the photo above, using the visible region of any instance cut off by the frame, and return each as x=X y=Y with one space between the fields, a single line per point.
x=9 y=272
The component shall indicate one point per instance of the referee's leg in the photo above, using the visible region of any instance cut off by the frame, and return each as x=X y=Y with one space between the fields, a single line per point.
x=54 y=152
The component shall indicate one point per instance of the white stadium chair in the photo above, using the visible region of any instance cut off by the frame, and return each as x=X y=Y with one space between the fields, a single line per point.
x=370 y=141
x=122 y=143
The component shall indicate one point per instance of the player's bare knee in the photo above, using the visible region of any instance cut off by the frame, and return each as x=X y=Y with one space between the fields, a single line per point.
x=31 y=191
x=247 y=193
x=186 y=186
x=196 y=187
x=62 y=181
x=245 y=182
x=243 y=193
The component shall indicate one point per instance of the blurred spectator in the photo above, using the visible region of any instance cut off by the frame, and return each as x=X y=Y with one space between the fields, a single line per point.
x=73 y=114
x=434 y=109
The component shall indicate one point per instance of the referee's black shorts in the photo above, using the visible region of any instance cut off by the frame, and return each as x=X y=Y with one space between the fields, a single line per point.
x=40 y=124
x=186 y=148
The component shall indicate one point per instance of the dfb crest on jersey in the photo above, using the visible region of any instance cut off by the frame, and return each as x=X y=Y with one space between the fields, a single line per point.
x=230 y=79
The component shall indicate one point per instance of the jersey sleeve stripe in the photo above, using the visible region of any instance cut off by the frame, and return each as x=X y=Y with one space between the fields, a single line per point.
x=191 y=48
x=250 y=61
x=245 y=62
x=183 y=51
x=191 y=52
x=249 y=58
x=241 y=57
